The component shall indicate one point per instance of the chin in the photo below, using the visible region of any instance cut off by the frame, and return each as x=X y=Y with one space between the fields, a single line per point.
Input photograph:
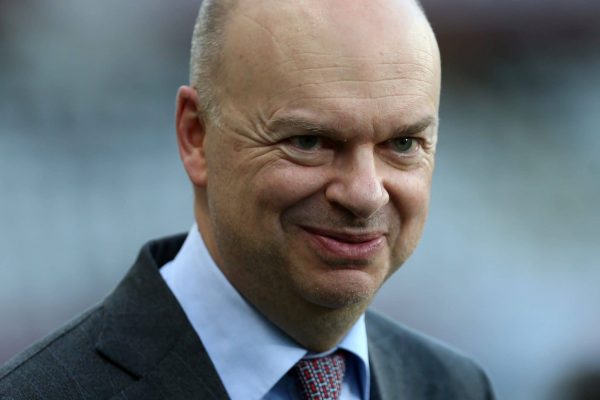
x=346 y=289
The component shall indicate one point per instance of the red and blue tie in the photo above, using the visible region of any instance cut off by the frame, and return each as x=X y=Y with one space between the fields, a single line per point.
x=321 y=378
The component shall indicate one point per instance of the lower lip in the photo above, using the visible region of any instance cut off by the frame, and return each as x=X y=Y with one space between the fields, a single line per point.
x=347 y=250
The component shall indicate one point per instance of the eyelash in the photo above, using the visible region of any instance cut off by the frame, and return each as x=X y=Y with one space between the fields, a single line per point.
x=294 y=139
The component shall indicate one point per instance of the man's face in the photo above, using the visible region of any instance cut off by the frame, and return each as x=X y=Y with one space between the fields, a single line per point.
x=319 y=173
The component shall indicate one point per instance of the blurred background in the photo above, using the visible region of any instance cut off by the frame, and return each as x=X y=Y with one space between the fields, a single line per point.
x=508 y=270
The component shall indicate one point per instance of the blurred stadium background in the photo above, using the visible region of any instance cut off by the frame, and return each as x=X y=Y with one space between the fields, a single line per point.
x=509 y=266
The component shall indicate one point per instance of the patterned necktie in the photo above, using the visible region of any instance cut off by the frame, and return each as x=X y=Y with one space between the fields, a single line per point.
x=321 y=378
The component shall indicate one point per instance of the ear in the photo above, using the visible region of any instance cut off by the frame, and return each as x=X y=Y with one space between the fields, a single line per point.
x=191 y=133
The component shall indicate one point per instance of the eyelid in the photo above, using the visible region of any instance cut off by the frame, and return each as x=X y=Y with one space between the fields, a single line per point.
x=308 y=157
x=298 y=137
x=325 y=142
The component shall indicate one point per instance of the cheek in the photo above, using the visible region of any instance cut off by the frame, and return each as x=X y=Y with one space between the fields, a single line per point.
x=410 y=195
x=282 y=184
x=411 y=202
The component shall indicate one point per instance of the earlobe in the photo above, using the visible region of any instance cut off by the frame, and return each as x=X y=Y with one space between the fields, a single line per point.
x=191 y=133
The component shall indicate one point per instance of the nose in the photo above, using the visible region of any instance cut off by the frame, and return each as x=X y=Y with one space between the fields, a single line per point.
x=357 y=186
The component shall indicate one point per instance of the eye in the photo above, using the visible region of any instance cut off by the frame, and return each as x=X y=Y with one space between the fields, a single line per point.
x=306 y=142
x=404 y=144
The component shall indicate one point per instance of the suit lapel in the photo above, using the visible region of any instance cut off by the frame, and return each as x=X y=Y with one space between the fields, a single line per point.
x=392 y=376
x=387 y=382
x=402 y=366
x=146 y=333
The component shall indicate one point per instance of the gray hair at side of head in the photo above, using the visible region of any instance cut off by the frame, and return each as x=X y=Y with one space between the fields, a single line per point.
x=206 y=53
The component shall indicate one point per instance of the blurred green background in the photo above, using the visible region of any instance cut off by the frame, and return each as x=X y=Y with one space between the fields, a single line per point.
x=508 y=269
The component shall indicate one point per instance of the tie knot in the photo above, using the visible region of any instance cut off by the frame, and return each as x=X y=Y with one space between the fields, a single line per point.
x=321 y=378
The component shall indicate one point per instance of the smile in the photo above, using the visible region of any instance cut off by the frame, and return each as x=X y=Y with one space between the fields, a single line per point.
x=349 y=246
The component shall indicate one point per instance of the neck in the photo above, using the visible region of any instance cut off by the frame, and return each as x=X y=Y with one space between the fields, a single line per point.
x=316 y=328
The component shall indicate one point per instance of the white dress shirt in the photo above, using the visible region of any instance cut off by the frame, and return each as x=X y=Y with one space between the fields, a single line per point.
x=251 y=355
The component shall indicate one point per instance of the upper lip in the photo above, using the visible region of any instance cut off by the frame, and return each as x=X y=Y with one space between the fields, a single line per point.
x=347 y=235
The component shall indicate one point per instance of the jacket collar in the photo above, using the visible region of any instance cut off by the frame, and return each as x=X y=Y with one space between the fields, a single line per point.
x=146 y=333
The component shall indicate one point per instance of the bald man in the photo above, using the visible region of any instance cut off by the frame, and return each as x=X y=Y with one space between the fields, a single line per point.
x=308 y=131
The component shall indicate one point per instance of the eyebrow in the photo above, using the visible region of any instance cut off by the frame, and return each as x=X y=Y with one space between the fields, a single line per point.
x=310 y=127
x=417 y=127
x=302 y=125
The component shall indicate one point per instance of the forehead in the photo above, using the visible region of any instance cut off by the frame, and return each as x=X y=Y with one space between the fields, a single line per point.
x=290 y=31
x=352 y=22
x=332 y=55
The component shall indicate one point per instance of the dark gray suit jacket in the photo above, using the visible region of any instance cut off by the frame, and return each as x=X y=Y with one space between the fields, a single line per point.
x=138 y=344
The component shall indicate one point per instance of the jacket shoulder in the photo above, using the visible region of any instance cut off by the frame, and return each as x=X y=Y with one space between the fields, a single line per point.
x=62 y=365
x=108 y=348
x=423 y=366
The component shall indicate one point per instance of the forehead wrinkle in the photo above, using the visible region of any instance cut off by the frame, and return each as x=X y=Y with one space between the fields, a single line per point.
x=388 y=66
x=383 y=89
x=379 y=76
x=416 y=56
x=391 y=70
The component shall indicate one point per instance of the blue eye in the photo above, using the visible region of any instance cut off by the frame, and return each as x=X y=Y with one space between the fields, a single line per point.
x=404 y=144
x=306 y=142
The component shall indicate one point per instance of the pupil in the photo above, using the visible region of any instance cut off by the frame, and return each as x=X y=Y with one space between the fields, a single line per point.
x=307 y=142
x=404 y=144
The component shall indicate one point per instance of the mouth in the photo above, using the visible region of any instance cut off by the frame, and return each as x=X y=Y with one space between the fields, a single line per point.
x=346 y=245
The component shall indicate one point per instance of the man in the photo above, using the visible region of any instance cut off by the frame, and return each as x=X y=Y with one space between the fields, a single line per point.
x=308 y=132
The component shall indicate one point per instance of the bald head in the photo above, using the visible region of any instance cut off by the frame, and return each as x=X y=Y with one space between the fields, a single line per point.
x=364 y=24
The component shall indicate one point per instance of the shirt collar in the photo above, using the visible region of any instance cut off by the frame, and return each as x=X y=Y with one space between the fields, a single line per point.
x=236 y=336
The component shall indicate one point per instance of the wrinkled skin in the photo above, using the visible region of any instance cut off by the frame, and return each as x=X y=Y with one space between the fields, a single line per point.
x=313 y=187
